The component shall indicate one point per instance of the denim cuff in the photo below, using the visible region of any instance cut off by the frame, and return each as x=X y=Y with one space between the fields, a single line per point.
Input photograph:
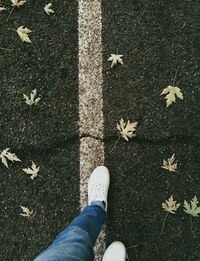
x=101 y=204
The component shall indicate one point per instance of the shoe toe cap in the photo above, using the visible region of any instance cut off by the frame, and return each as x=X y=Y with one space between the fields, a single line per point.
x=101 y=173
x=115 y=252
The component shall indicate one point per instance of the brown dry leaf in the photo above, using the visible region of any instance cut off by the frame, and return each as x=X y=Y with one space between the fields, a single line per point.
x=18 y=3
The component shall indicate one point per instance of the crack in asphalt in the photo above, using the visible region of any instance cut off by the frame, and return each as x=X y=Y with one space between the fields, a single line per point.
x=63 y=144
x=169 y=139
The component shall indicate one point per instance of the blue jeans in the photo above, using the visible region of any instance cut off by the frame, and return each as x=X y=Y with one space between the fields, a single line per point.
x=76 y=241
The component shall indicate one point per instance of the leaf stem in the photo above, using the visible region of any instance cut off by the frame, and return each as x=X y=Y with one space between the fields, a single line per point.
x=131 y=247
x=30 y=112
x=191 y=225
x=29 y=118
x=175 y=76
x=10 y=13
x=41 y=177
x=115 y=145
x=161 y=232
x=6 y=49
x=11 y=29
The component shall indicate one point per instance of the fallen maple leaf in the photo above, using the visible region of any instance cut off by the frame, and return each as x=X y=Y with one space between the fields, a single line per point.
x=127 y=129
x=26 y=212
x=48 y=9
x=170 y=164
x=18 y=3
x=23 y=34
x=6 y=155
x=192 y=208
x=172 y=93
x=31 y=101
x=33 y=171
x=170 y=205
x=115 y=58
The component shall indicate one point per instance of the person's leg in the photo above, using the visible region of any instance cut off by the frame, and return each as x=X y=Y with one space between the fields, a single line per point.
x=76 y=242
x=91 y=220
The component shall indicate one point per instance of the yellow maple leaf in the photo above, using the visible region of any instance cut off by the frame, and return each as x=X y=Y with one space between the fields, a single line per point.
x=33 y=171
x=23 y=34
x=172 y=92
x=115 y=58
x=26 y=212
x=170 y=205
x=170 y=164
x=127 y=129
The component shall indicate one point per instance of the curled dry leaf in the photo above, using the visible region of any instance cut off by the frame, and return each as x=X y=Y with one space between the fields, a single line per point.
x=170 y=205
x=26 y=212
x=18 y=3
x=172 y=92
x=6 y=155
x=23 y=34
x=31 y=101
x=33 y=171
x=115 y=58
x=127 y=129
x=170 y=164
x=48 y=9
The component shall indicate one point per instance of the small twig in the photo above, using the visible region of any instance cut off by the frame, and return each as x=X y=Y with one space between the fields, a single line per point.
x=189 y=176
x=164 y=223
x=29 y=118
x=127 y=257
x=11 y=29
x=5 y=49
x=30 y=112
x=41 y=177
x=34 y=212
x=131 y=247
x=183 y=25
x=40 y=12
x=191 y=226
x=10 y=13
x=115 y=145
x=175 y=76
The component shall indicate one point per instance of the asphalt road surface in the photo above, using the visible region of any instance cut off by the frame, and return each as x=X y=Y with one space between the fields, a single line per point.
x=157 y=39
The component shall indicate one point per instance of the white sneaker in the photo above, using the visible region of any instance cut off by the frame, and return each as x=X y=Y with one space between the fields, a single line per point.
x=115 y=252
x=98 y=185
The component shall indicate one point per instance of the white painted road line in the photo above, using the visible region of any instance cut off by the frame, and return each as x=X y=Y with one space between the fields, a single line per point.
x=90 y=99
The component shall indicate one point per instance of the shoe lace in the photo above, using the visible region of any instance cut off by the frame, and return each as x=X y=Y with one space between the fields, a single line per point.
x=98 y=191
